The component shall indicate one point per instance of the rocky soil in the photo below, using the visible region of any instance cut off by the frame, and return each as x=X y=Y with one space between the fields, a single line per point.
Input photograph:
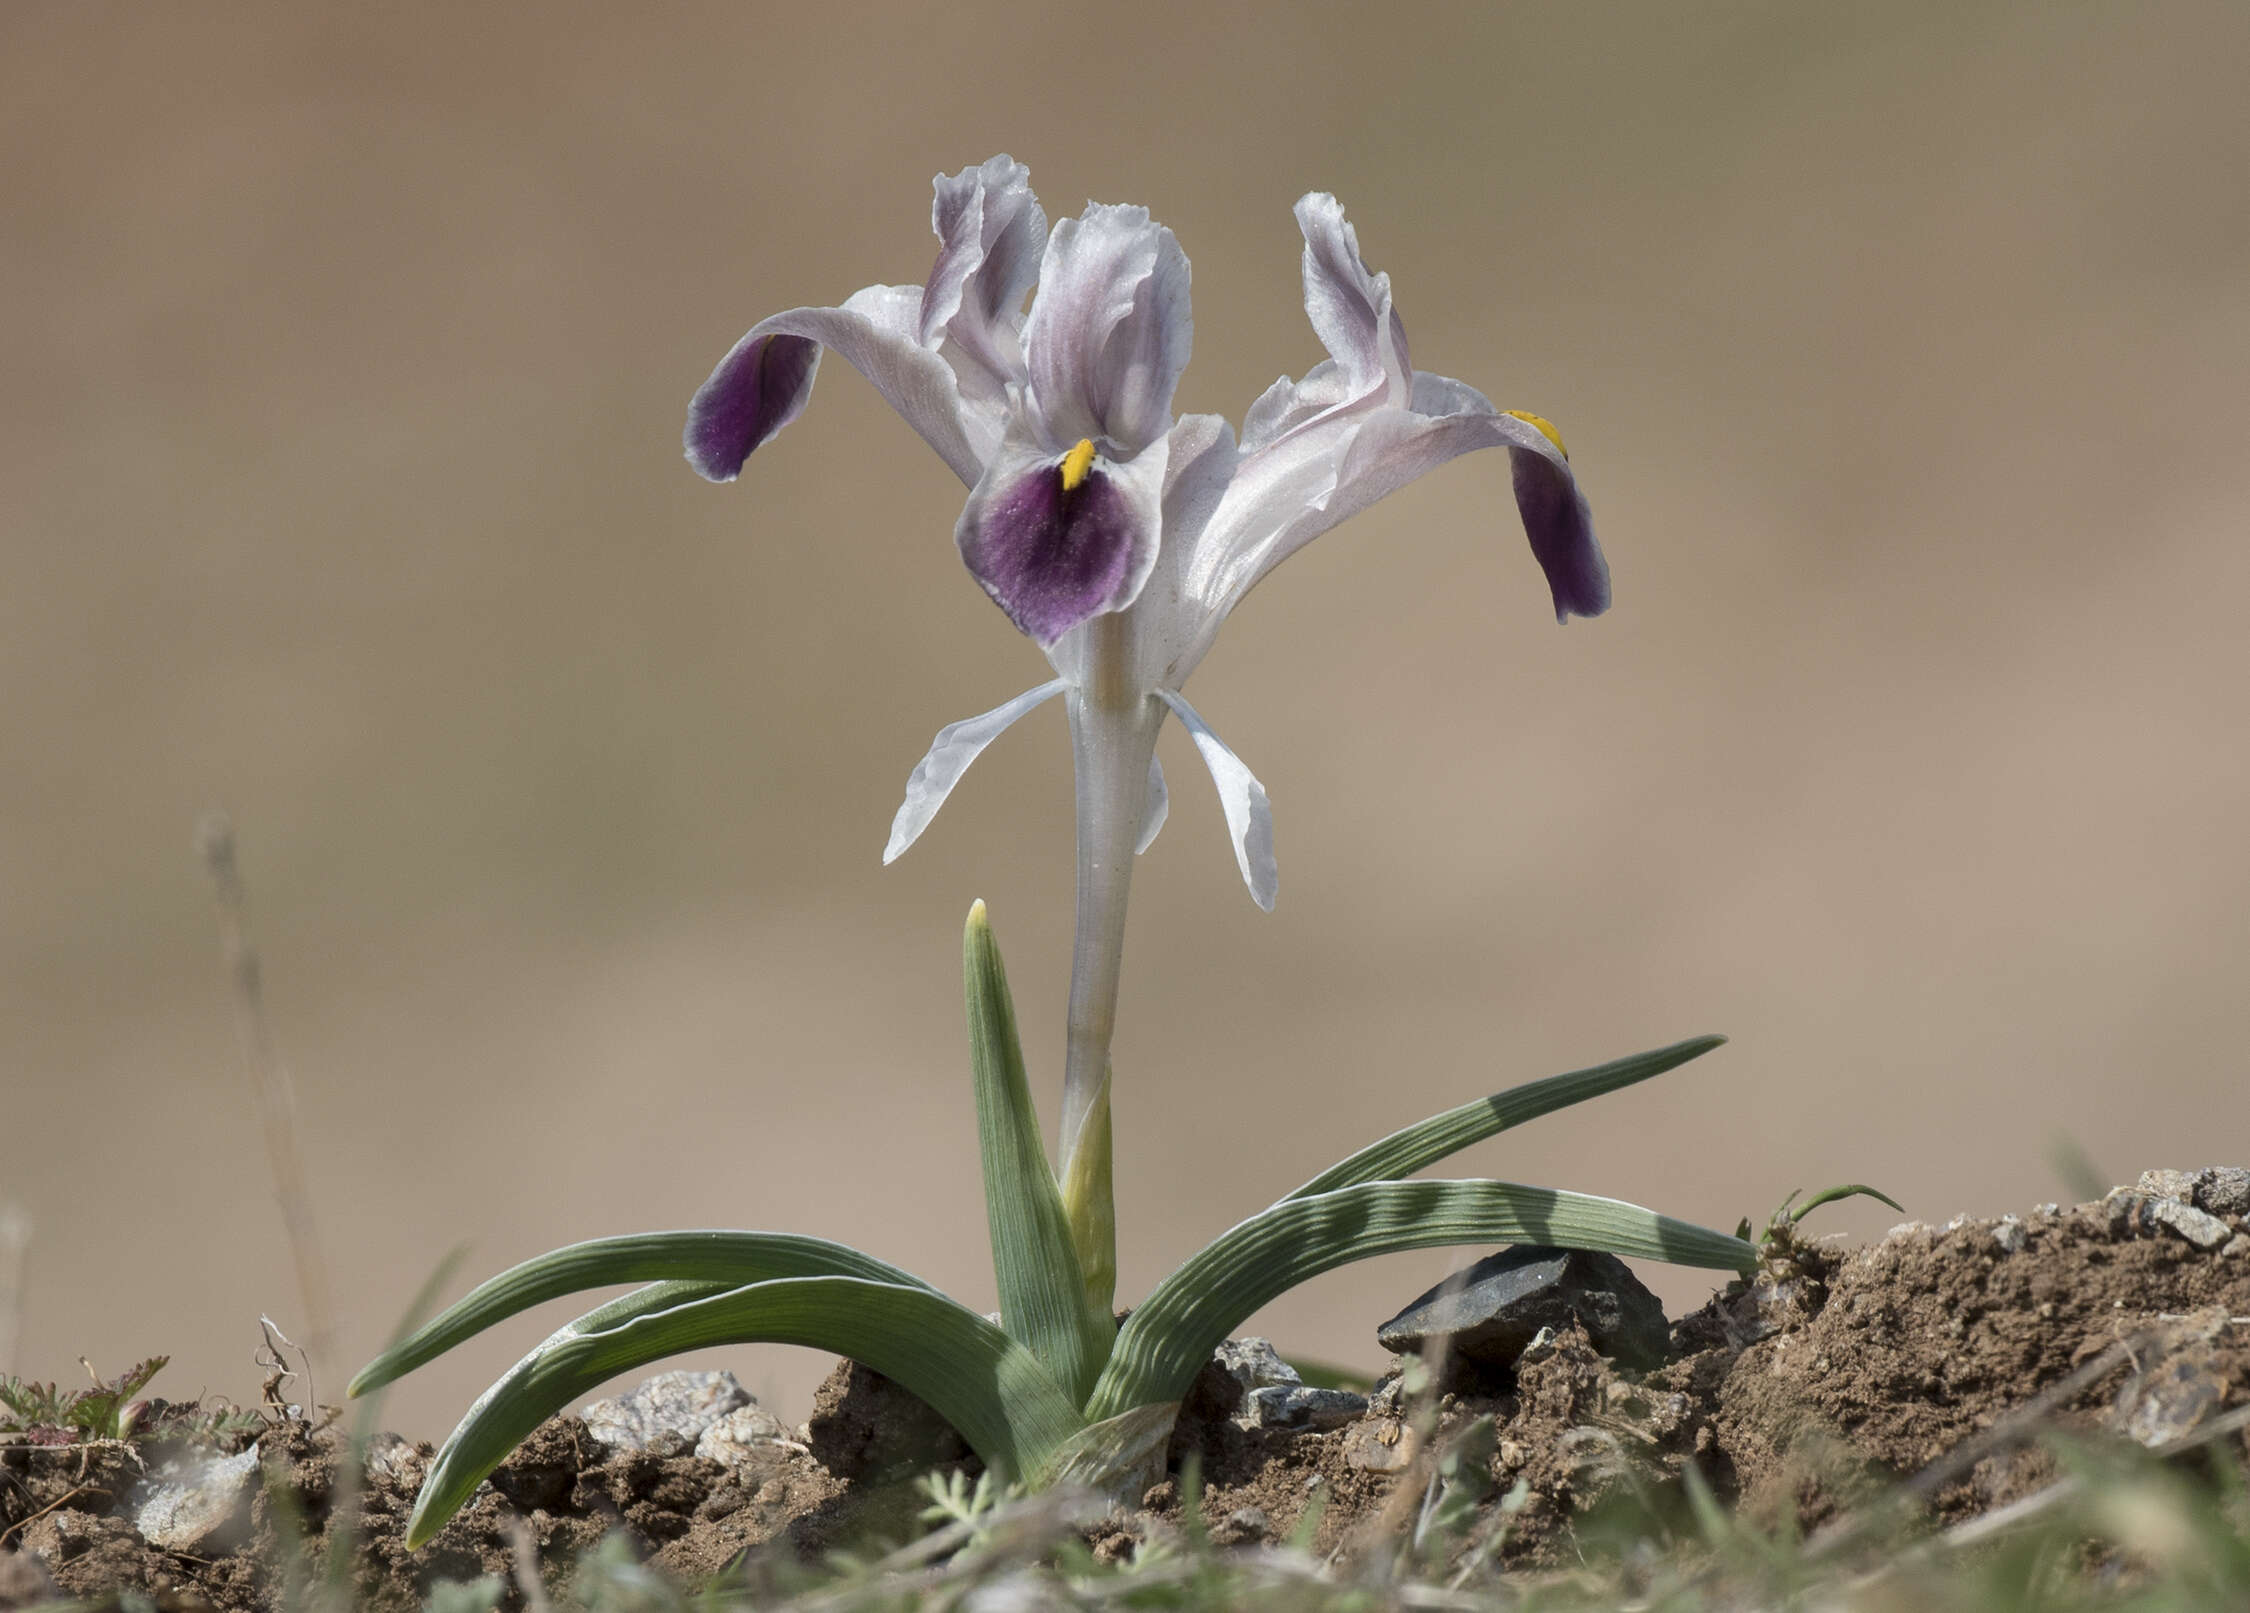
x=1929 y=1358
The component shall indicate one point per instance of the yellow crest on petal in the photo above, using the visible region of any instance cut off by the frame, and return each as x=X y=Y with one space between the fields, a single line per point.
x=1080 y=460
x=1546 y=428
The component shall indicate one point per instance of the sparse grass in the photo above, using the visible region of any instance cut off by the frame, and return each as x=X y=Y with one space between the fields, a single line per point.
x=2127 y=1531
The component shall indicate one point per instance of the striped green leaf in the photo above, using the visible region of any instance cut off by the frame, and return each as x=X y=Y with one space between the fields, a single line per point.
x=728 y=1259
x=1192 y=1311
x=1044 y=1302
x=985 y=1384
x=1403 y=1153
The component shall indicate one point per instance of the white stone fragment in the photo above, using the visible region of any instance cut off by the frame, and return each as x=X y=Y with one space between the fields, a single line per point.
x=734 y=1438
x=680 y=1404
x=191 y=1505
x=2169 y=1185
x=1314 y=1410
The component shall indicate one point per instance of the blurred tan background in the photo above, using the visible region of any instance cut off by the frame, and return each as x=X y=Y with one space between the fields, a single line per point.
x=343 y=354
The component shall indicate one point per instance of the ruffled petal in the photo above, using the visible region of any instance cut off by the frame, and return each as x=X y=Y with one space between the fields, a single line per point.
x=1109 y=332
x=956 y=746
x=991 y=231
x=1350 y=305
x=1242 y=798
x=1053 y=553
x=766 y=380
x=1158 y=809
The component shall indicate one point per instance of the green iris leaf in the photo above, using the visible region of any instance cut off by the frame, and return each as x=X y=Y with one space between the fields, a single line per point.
x=727 y=1259
x=1173 y=1332
x=1003 y=1402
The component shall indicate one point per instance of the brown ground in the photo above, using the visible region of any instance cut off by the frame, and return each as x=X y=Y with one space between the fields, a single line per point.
x=1828 y=1372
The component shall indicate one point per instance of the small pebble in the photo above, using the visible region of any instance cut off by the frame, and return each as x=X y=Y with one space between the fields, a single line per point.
x=2199 y=1227
x=2169 y=1184
x=2223 y=1190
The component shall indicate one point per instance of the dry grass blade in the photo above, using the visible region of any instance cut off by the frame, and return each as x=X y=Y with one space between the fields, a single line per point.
x=524 y=1553
x=270 y=1081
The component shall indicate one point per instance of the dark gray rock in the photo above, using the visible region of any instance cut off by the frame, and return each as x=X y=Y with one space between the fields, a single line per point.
x=1487 y=1315
x=2137 y=1213
x=2223 y=1190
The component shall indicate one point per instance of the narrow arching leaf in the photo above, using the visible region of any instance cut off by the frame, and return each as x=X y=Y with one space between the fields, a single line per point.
x=1829 y=1195
x=1191 y=1312
x=729 y=1259
x=982 y=1382
x=1403 y=1153
x=1044 y=1302
x=498 y=1427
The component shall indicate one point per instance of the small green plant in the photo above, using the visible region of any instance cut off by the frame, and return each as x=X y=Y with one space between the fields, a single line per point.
x=957 y=1499
x=1779 y=1243
x=1118 y=539
x=52 y=1416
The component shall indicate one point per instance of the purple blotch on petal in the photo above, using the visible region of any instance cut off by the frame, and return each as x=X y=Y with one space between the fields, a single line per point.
x=1561 y=529
x=1052 y=558
x=760 y=387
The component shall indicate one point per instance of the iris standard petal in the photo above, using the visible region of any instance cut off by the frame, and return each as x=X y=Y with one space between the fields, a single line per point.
x=1350 y=305
x=1059 y=539
x=766 y=380
x=956 y=746
x=1109 y=332
x=1158 y=809
x=1242 y=798
x=991 y=231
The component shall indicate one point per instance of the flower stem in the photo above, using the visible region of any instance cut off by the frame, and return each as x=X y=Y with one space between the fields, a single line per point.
x=1113 y=736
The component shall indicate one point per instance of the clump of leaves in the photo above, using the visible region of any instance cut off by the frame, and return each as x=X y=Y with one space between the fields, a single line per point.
x=1055 y=1394
x=52 y=1416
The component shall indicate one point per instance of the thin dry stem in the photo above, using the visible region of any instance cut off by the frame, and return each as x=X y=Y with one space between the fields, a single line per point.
x=271 y=1085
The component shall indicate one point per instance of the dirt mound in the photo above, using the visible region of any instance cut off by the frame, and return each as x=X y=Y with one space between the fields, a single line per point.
x=1826 y=1373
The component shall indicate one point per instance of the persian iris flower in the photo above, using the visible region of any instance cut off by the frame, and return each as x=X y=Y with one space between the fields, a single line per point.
x=1114 y=535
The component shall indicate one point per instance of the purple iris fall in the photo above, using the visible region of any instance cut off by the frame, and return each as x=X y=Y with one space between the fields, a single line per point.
x=1114 y=535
